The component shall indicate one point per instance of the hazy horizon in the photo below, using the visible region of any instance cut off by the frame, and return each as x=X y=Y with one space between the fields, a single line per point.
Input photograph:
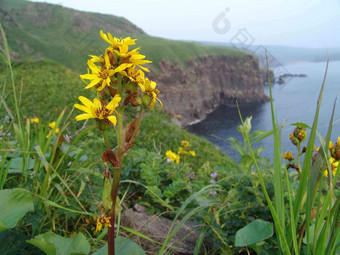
x=305 y=24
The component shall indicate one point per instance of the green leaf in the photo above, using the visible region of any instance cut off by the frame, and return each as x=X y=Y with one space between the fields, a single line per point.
x=106 y=196
x=254 y=232
x=53 y=244
x=123 y=246
x=14 y=204
x=301 y=124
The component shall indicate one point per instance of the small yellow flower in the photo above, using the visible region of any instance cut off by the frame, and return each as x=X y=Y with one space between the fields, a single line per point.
x=116 y=43
x=52 y=125
x=288 y=156
x=133 y=57
x=149 y=88
x=34 y=120
x=185 y=143
x=330 y=145
x=101 y=76
x=192 y=153
x=334 y=165
x=97 y=110
x=173 y=157
x=103 y=220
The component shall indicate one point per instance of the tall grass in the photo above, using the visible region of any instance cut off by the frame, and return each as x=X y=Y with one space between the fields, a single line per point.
x=313 y=207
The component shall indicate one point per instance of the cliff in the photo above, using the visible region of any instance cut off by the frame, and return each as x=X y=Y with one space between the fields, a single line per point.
x=190 y=93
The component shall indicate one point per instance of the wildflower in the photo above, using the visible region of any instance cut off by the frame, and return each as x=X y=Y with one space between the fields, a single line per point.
x=334 y=166
x=101 y=76
x=173 y=157
x=133 y=57
x=212 y=181
x=52 y=125
x=288 y=156
x=34 y=120
x=298 y=136
x=103 y=220
x=214 y=175
x=116 y=43
x=98 y=110
x=185 y=144
x=149 y=89
x=192 y=153
x=214 y=193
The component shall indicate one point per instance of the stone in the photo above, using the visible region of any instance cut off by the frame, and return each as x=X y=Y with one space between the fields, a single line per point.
x=157 y=227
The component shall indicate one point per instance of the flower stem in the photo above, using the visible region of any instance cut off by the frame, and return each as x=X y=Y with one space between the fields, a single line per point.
x=114 y=193
x=106 y=139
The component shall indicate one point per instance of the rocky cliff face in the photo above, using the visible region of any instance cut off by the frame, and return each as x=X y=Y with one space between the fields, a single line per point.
x=190 y=93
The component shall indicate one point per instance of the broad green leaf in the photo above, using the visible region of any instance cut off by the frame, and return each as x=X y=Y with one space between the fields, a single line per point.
x=123 y=246
x=14 y=204
x=53 y=244
x=254 y=232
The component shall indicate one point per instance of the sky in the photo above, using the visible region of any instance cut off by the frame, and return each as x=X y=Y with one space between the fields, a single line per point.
x=299 y=23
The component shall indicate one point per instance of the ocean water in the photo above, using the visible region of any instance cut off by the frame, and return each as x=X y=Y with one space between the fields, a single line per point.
x=294 y=101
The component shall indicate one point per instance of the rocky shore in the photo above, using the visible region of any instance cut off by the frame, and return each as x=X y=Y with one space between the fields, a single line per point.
x=190 y=92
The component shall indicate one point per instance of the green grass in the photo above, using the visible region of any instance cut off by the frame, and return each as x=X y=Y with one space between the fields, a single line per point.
x=62 y=35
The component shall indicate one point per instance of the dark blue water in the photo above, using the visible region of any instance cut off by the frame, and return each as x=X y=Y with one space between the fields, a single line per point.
x=294 y=101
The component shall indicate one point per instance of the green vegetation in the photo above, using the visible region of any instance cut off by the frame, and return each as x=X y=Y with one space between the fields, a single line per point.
x=52 y=177
x=66 y=36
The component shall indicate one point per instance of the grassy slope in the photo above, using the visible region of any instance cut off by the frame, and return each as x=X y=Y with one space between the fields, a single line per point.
x=48 y=87
x=67 y=36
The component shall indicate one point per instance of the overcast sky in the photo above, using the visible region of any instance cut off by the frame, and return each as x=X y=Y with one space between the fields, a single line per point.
x=302 y=23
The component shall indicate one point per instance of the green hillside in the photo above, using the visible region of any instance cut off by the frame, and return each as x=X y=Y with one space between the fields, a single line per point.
x=67 y=36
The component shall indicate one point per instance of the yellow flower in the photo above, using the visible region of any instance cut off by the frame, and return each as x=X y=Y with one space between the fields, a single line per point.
x=330 y=145
x=136 y=75
x=173 y=157
x=288 y=156
x=34 y=120
x=185 y=143
x=97 y=110
x=103 y=220
x=133 y=57
x=149 y=88
x=334 y=165
x=121 y=44
x=101 y=76
x=52 y=125
x=192 y=153
x=338 y=142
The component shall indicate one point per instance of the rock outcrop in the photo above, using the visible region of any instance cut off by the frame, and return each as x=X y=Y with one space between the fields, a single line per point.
x=157 y=227
x=190 y=92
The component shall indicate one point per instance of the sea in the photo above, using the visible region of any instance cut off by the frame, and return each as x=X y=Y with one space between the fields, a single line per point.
x=294 y=101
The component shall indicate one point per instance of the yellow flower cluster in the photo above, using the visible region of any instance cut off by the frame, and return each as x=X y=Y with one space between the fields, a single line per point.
x=51 y=126
x=119 y=79
x=103 y=220
x=34 y=120
x=171 y=156
x=335 y=157
x=183 y=150
x=288 y=156
x=334 y=165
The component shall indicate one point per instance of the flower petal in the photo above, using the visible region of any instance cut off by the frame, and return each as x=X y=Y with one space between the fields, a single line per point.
x=86 y=102
x=83 y=108
x=84 y=116
x=112 y=119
